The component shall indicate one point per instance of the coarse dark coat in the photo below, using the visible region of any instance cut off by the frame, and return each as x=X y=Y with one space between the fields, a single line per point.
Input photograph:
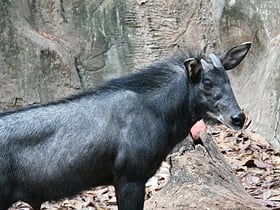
x=116 y=134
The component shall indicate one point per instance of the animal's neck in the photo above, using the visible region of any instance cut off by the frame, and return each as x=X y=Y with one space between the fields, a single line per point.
x=176 y=109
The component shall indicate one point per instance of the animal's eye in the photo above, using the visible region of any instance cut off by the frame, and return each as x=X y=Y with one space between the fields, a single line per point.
x=207 y=84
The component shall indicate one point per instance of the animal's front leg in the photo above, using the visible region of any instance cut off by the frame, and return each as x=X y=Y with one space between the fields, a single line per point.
x=130 y=194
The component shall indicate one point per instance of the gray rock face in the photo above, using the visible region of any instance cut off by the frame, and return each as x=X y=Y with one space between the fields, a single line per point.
x=52 y=48
x=257 y=84
x=34 y=68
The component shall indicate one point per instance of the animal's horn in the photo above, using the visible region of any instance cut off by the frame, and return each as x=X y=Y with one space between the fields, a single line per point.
x=205 y=65
x=215 y=60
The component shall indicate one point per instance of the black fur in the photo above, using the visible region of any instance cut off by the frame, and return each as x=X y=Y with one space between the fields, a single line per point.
x=115 y=134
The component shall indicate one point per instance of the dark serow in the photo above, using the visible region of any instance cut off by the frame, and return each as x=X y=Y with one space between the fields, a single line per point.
x=116 y=134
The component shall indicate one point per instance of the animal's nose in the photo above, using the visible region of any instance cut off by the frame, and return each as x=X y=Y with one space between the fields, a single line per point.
x=238 y=119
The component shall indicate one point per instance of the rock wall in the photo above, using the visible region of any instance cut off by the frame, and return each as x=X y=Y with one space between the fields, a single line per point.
x=257 y=83
x=52 y=48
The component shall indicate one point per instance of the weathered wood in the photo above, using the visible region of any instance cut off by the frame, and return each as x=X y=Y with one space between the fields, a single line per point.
x=201 y=179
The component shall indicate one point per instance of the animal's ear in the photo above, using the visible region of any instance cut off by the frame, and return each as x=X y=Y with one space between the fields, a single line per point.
x=235 y=55
x=192 y=67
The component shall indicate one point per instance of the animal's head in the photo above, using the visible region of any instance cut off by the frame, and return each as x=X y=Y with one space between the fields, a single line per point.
x=214 y=98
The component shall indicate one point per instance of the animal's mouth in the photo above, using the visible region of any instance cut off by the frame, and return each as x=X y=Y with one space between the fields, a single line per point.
x=221 y=120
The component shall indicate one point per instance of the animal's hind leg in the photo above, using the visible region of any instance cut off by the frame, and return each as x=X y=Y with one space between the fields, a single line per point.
x=130 y=194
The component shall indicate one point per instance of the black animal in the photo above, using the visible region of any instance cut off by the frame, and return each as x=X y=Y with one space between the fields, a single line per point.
x=116 y=134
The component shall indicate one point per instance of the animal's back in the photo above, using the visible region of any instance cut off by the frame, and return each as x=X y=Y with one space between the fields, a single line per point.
x=79 y=113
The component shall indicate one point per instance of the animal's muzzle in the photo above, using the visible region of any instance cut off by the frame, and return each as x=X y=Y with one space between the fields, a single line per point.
x=238 y=120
